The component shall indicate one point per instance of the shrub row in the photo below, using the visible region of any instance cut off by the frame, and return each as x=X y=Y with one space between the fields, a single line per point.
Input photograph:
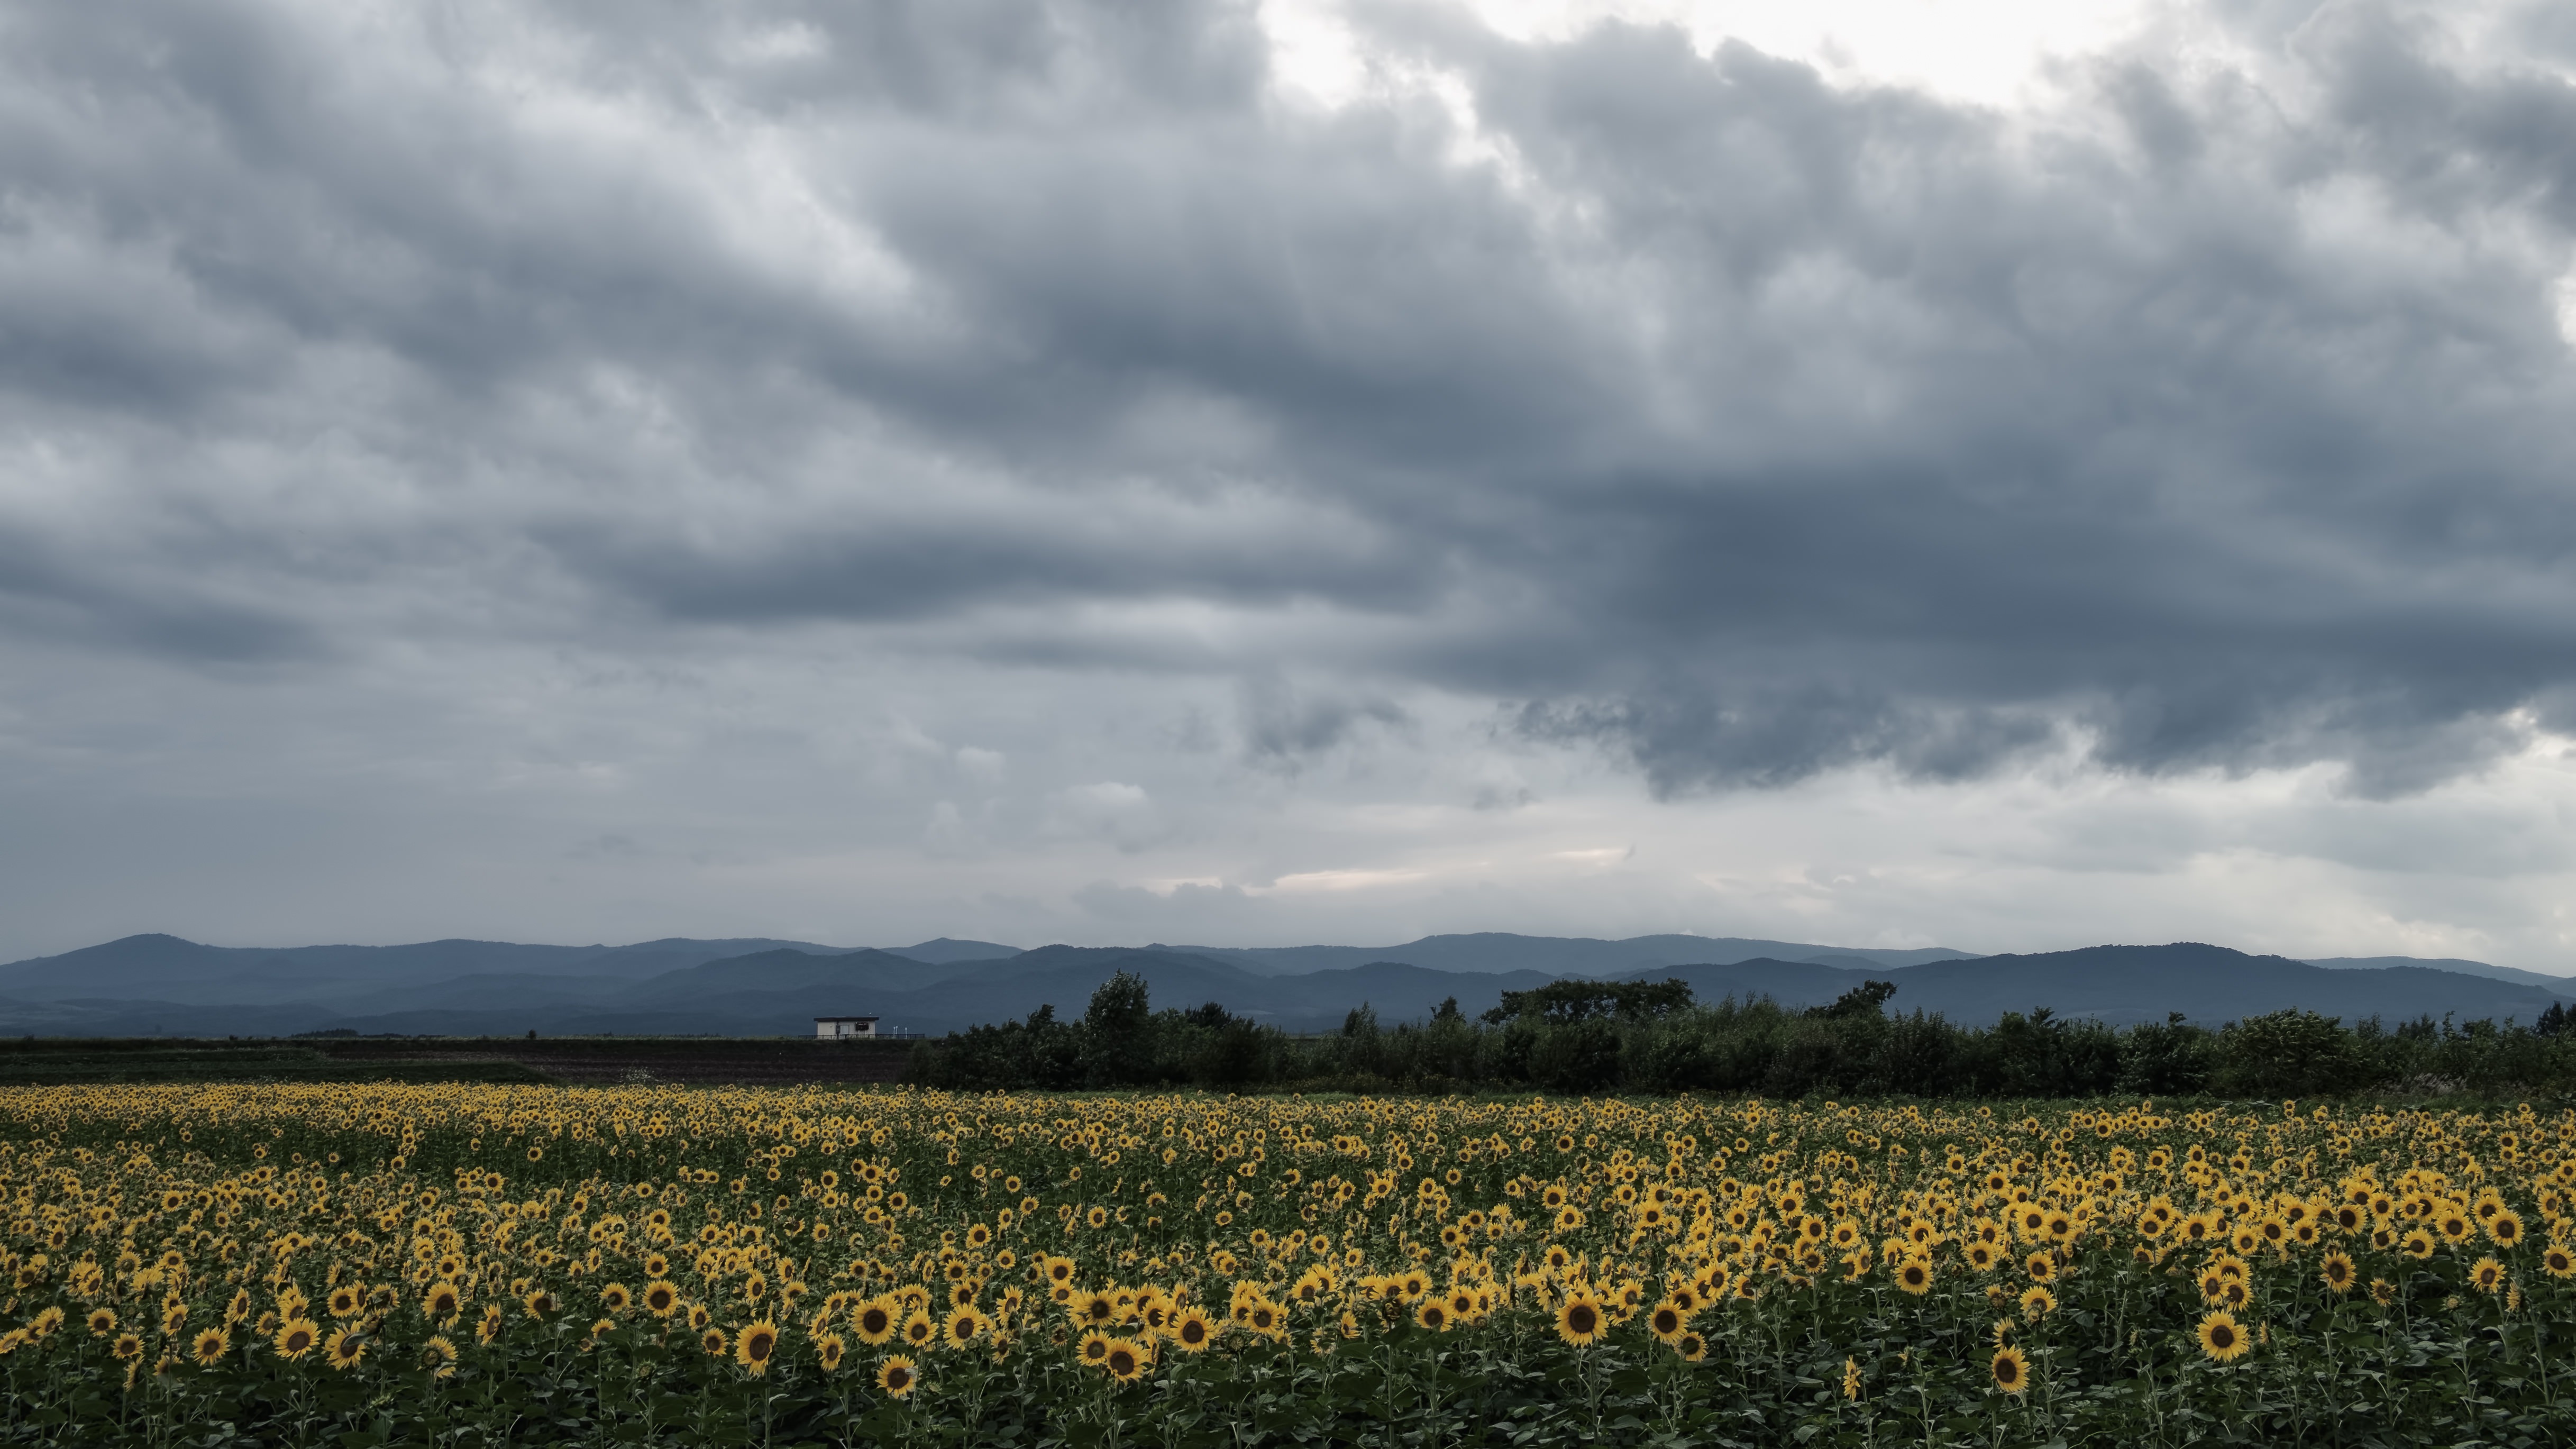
x=1576 y=1036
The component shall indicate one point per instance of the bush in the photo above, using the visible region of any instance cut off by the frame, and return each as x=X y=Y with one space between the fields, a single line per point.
x=1590 y=1037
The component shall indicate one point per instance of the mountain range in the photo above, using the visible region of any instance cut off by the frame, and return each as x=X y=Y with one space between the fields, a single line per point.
x=154 y=985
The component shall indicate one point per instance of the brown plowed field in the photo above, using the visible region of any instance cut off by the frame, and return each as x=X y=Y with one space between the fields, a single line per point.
x=765 y=1061
x=746 y=1060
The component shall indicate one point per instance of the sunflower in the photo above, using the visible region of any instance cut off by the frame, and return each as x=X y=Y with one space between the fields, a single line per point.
x=829 y=1350
x=490 y=1327
x=2037 y=1303
x=2222 y=1338
x=965 y=1325
x=1193 y=1330
x=296 y=1337
x=661 y=1298
x=344 y=1302
x=1580 y=1321
x=1691 y=1347
x=1126 y=1360
x=1914 y=1275
x=874 y=1321
x=1091 y=1310
x=102 y=1322
x=616 y=1297
x=441 y=1303
x=2487 y=1275
x=2042 y=1268
x=128 y=1347
x=920 y=1330
x=210 y=1347
x=713 y=1341
x=2011 y=1370
x=1093 y=1348
x=2557 y=1262
x=2418 y=1244
x=898 y=1376
x=438 y=1355
x=344 y=1349
x=2337 y=1272
x=2505 y=1228
x=1666 y=1321
x=757 y=1345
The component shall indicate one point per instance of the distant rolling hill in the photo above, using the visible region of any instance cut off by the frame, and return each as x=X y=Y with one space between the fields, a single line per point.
x=1555 y=955
x=170 y=969
x=2125 y=985
x=942 y=951
x=2561 y=985
x=162 y=985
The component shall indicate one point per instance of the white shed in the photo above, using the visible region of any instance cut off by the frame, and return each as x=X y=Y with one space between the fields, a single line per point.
x=838 y=1027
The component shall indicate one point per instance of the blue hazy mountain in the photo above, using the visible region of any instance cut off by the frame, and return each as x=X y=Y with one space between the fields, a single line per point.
x=944 y=950
x=162 y=985
x=2562 y=985
x=1556 y=955
x=2125 y=985
x=167 y=968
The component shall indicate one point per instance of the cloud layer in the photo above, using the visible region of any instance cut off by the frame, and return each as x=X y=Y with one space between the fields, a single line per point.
x=922 y=436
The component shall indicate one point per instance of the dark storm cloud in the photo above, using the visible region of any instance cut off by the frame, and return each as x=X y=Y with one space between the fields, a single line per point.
x=1285 y=727
x=1748 y=425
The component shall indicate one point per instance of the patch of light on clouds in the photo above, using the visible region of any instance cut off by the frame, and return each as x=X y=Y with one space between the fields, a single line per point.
x=1314 y=53
x=1338 y=880
x=2282 y=861
x=1318 y=58
x=1989 y=52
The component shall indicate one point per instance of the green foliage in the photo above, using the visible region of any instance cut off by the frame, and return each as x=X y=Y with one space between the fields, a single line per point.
x=1578 y=1036
x=1559 y=1003
x=2289 y=1053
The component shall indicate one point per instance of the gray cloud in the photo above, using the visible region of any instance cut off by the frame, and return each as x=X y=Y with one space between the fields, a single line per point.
x=1843 y=425
x=1286 y=727
x=2212 y=416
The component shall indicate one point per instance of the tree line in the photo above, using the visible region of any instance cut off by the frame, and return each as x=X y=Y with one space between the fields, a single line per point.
x=1651 y=1037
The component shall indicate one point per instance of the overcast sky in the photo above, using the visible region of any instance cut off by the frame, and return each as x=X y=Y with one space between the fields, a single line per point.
x=2007 y=477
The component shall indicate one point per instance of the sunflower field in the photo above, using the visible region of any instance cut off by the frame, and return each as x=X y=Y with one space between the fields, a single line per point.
x=478 y=1265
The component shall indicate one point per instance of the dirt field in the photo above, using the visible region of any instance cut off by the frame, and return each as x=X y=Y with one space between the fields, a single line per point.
x=587 y=1060
x=747 y=1060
